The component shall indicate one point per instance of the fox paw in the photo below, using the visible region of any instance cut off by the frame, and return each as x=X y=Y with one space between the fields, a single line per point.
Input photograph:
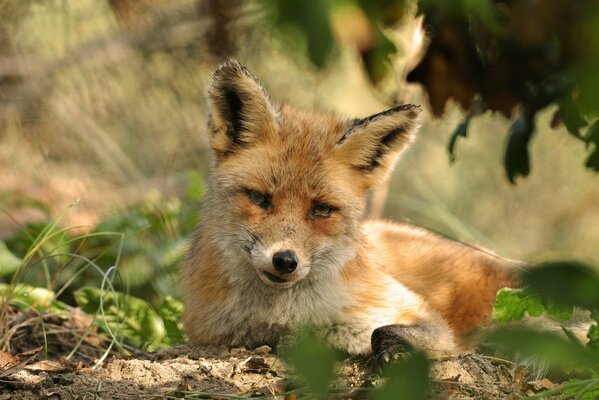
x=390 y=355
x=389 y=346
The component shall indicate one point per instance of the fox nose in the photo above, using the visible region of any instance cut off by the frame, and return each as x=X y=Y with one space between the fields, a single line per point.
x=284 y=262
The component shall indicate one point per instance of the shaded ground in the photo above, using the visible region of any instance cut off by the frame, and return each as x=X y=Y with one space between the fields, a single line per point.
x=186 y=371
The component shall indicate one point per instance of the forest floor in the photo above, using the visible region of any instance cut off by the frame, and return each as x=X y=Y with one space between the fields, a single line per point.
x=31 y=371
x=187 y=372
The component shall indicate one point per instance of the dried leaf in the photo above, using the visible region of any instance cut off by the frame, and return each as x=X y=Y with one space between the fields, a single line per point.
x=49 y=366
x=7 y=359
x=542 y=384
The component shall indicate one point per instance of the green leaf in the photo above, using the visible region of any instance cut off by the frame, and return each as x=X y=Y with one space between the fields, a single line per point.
x=593 y=160
x=593 y=336
x=309 y=21
x=313 y=360
x=516 y=160
x=196 y=188
x=571 y=117
x=171 y=312
x=125 y=316
x=559 y=312
x=377 y=58
x=25 y=296
x=9 y=263
x=565 y=283
x=592 y=139
x=512 y=304
x=461 y=130
x=407 y=380
x=545 y=346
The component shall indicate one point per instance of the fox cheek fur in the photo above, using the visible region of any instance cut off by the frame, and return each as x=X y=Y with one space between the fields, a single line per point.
x=282 y=241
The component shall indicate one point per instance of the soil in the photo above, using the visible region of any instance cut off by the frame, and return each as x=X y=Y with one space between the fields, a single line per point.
x=208 y=372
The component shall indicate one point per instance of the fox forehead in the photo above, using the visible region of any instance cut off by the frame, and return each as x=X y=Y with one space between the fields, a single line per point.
x=299 y=159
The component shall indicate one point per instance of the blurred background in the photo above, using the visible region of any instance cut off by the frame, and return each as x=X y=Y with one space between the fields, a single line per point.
x=103 y=114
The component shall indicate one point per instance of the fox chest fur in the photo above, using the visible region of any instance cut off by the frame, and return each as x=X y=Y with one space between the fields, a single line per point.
x=282 y=242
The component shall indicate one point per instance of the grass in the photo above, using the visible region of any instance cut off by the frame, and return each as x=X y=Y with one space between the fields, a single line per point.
x=58 y=265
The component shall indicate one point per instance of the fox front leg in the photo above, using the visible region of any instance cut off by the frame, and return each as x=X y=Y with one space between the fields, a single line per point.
x=391 y=343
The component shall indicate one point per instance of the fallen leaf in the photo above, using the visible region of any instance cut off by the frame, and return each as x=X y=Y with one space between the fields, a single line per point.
x=49 y=366
x=7 y=359
x=256 y=365
x=542 y=384
x=31 y=352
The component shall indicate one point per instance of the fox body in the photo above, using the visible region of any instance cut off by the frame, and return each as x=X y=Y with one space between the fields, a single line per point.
x=283 y=243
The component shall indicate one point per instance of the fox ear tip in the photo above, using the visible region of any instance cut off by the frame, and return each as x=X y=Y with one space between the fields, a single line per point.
x=228 y=67
x=413 y=109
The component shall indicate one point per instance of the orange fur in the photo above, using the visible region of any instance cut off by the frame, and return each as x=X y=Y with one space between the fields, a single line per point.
x=294 y=181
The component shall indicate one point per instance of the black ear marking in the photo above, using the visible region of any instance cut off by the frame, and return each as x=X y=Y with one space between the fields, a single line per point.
x=372 y=144
x=411 y=111
x=235 y=116
x=241 y=111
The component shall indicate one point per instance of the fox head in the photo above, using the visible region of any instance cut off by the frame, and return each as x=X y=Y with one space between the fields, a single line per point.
x=288 y=188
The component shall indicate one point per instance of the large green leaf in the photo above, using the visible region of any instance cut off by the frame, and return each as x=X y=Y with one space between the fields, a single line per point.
x=313 y=360
x=305 y=21
x=571 y=117
x=125 y=316
x=25 y=296
x=546 y=346
x=592 y=139
x=407 y=380
x=565 y=282
x=516 y=160
x=171 y=312
x=512 y=304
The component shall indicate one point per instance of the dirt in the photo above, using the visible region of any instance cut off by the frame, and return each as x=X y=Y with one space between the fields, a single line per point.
x=208 y=372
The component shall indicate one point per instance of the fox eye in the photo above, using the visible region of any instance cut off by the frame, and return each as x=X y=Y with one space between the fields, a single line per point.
x=259 y=199
x=321 y=211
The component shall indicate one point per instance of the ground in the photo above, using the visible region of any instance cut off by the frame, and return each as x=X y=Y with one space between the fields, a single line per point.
x=207 y=372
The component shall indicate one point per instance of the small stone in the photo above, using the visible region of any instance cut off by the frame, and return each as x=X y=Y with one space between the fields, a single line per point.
x=264 y=350
x=205 y=366
x=237 y=350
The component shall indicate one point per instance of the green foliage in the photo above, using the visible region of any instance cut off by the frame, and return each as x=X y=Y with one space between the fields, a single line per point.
x=313 y=360
x=593 y=336
x=311 y=22
x=546 y=346
x=553 y=288
x=152 y=247
x=171 y=311
x=133 y=319
x=143 y=245
x=512 y=304
x=516 y=159
x=592 y=140
x=480 y=55
x=460 y=131
x=24 y=296
x=305 y=21
x=566 y=282
x=8 y=261
x=407 y=380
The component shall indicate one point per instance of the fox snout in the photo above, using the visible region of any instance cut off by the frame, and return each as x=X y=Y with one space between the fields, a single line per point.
x=279 y=265
x=285 y=262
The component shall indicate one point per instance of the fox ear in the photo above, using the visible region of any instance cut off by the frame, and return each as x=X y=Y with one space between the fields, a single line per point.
x=241 y=111
x=372 y=145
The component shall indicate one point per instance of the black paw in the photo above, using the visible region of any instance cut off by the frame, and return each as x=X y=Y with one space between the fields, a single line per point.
x=390 y=355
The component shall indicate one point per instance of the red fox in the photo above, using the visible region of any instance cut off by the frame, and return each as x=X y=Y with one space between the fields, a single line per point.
x=283 y=243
